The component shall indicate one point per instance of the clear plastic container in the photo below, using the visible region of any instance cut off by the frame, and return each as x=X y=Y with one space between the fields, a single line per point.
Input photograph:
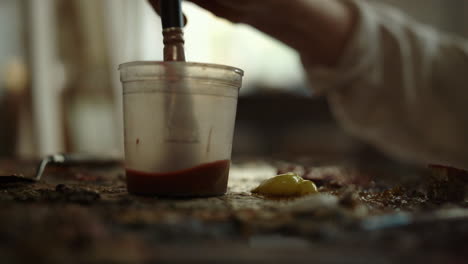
x=179 y=123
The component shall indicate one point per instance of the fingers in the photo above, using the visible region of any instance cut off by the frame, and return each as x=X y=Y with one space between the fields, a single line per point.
x=235 y=11
x=155 y=5
x=224 y=9
x=157 y=8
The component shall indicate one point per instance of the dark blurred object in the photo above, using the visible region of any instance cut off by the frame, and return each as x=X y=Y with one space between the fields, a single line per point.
x=283 y=124
x=448 y=184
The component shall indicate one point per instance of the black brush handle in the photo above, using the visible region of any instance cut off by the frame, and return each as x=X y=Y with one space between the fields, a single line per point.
x=171 y=13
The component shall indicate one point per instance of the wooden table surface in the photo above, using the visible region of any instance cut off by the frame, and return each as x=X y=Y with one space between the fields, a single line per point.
x=85 y=215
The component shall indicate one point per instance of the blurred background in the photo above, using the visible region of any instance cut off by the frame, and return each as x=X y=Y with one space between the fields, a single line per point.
x=60 y=88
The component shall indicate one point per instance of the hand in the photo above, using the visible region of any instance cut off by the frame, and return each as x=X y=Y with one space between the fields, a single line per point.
x=155 y=5
x=231 y=10
x=317 y=29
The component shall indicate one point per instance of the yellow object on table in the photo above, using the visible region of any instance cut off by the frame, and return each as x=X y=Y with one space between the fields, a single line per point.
x=286 y=185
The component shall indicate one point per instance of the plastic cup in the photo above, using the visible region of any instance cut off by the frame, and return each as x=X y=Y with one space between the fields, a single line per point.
x=178 y=127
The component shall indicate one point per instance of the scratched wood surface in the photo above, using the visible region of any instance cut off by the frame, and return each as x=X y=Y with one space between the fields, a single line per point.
x=83 y=214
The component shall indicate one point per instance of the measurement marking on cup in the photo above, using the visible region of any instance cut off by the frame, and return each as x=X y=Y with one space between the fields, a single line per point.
x=182 y=141
x=208 y=145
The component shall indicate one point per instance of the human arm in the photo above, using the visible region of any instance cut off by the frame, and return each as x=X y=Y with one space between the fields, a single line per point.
x=401 y=86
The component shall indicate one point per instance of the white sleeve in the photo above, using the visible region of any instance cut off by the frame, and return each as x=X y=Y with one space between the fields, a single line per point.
x=401 y=86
